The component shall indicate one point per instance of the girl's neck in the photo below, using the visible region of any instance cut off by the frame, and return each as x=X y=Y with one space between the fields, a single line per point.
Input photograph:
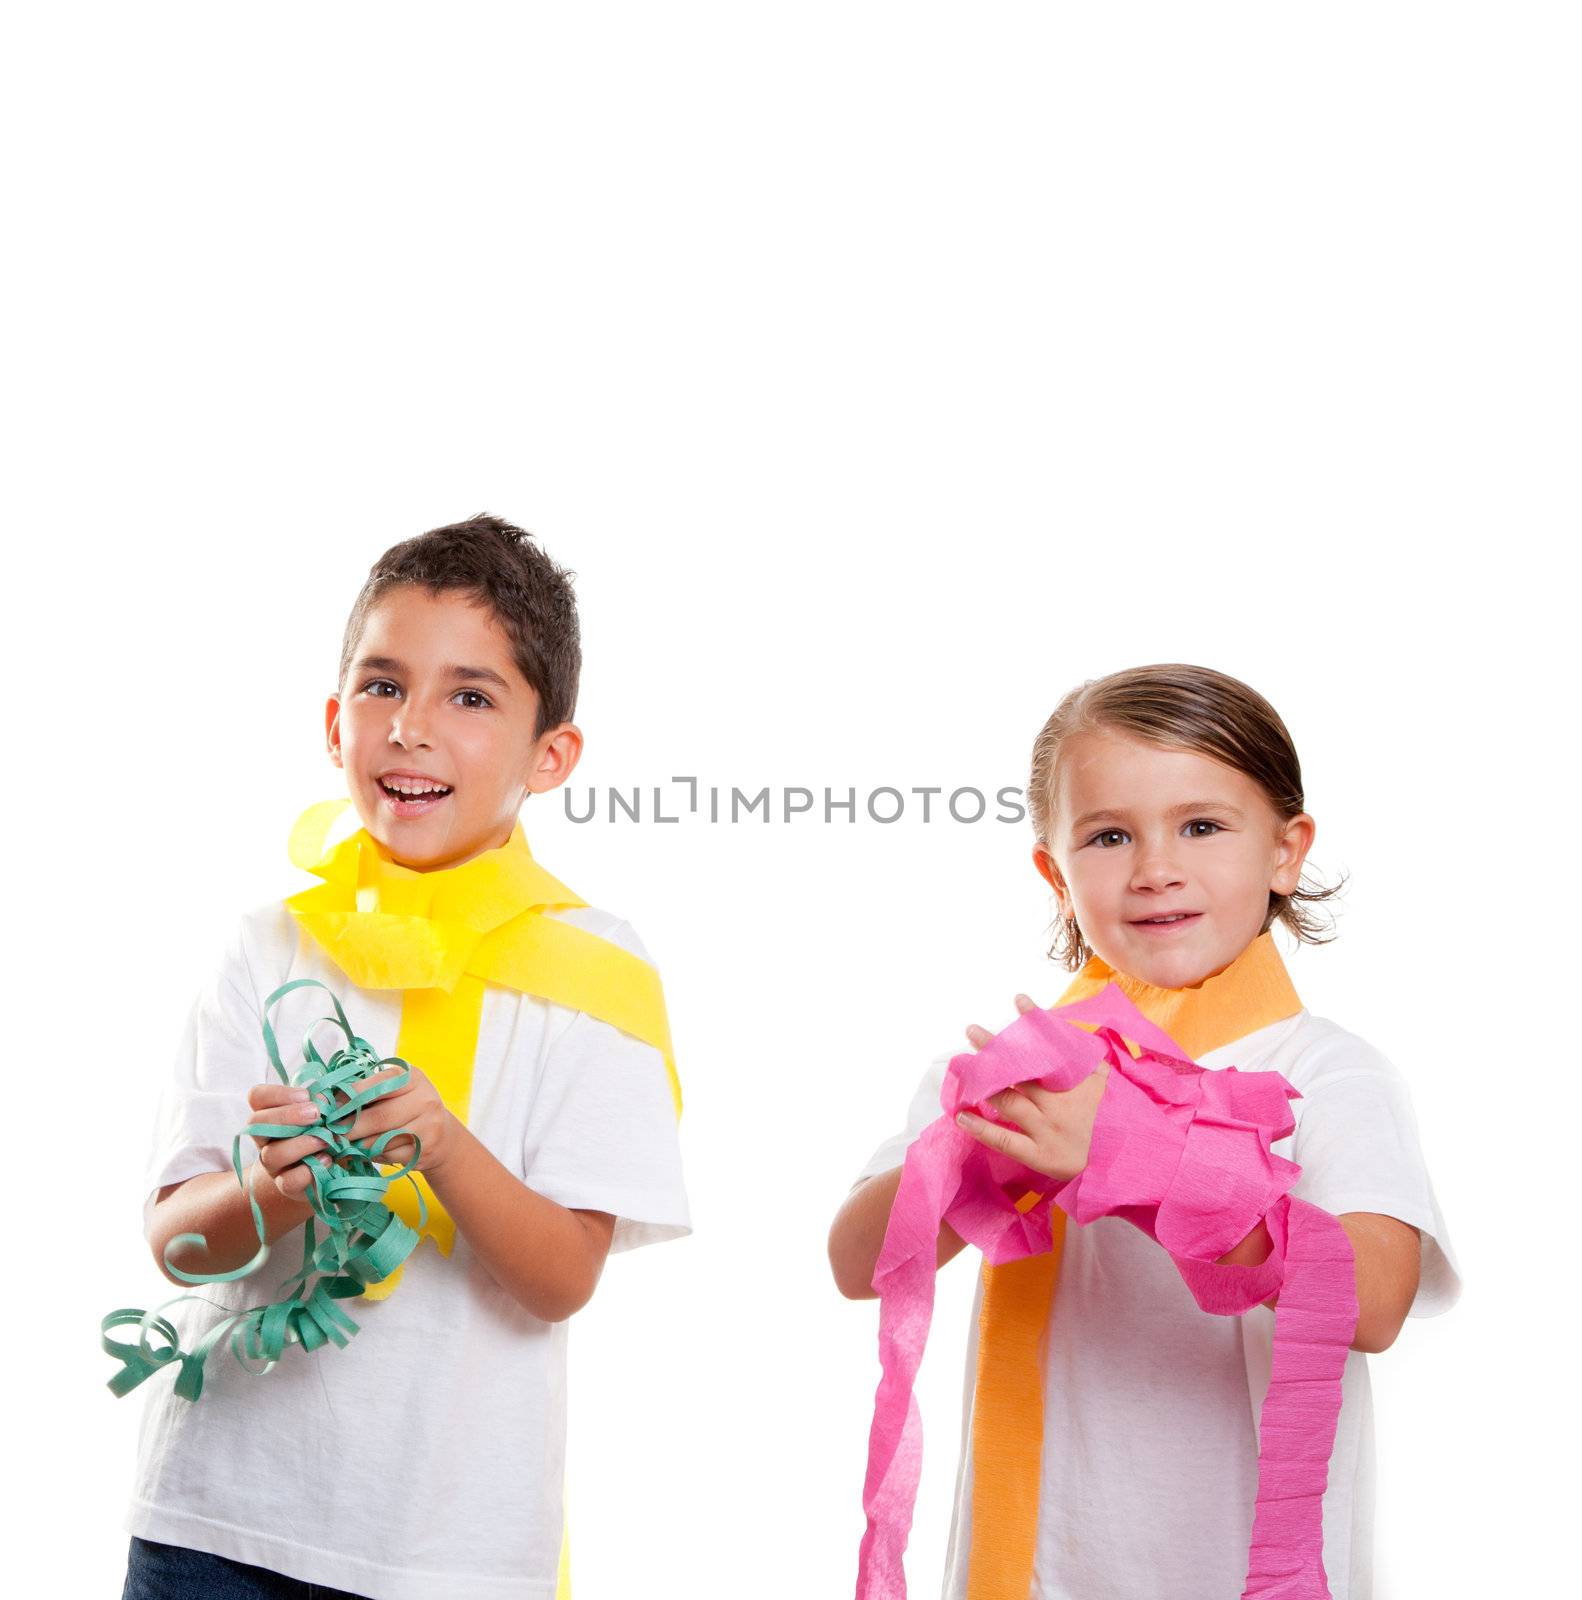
x=1254 y=991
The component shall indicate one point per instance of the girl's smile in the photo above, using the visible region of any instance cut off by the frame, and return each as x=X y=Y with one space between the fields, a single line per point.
x=1169 y=924
x=1166 y=857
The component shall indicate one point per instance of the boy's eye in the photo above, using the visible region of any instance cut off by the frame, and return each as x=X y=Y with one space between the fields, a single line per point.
x=376 y=686
x=1108 y=833
x=469 y=696
x=1203 y=822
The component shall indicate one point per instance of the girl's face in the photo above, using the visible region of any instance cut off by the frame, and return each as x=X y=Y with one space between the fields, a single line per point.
x=1142 y=832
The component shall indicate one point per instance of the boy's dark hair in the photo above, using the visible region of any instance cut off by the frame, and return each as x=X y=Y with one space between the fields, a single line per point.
x=1181 y=707
x=499 y=565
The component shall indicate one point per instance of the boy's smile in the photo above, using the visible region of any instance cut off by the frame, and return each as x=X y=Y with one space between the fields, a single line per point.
x=434 y=728
x=1166 y=856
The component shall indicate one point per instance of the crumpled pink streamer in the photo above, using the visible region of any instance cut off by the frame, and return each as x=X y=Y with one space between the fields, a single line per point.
x=1183 y=1154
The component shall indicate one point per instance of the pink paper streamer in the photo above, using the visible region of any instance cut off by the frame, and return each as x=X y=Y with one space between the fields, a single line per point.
x=1183 y=1154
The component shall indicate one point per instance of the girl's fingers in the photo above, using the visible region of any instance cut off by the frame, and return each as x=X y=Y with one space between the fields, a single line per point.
x=979 y=1037
x=1006 y=1140
x=1041 y=1097
x=1015 y=1106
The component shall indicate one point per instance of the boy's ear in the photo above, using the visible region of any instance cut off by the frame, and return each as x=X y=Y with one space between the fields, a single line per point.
x=557 y=753
x=332 y=727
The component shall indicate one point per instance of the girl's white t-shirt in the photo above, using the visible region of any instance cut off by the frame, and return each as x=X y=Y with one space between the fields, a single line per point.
x=1150 y=1455
x=426 y=1457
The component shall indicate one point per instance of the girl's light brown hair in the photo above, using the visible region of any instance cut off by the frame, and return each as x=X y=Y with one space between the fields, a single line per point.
x=1183 y=708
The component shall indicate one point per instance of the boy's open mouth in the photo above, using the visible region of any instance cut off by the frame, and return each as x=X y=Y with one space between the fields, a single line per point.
x=410 y=796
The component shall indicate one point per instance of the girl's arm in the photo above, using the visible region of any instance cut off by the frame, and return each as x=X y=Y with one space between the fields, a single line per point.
x=1388 y=1254
x=858 y=1234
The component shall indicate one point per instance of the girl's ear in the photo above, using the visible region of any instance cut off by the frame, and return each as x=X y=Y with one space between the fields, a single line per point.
x=1295 y=840
x=332 y=727
x=1050 y=873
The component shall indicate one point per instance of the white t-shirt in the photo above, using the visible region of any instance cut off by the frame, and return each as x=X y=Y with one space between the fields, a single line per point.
x=426 y=1457
x=1150 y=1456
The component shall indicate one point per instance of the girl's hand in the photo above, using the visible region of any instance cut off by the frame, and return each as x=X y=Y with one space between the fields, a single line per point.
x=1056 y=1125
x=418 y=1108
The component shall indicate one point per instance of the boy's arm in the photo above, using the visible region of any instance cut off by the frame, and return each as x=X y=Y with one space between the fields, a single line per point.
x=215 y=1205
x=857 y=1235
x=546 y=1257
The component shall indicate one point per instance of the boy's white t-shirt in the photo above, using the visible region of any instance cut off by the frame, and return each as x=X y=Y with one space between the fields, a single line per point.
x=426 y=1457
x=1150 y=1455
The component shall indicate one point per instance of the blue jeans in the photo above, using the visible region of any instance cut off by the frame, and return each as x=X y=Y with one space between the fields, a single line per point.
x=173 y=1572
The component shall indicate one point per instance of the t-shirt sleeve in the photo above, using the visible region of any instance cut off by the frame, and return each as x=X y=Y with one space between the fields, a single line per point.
x=203 y=1102
x=924 y=1109
x=1357 y=1144
x=602 y=1134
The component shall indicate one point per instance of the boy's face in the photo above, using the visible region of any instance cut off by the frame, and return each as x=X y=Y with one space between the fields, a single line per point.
x=1142 y=832
x=434 y=705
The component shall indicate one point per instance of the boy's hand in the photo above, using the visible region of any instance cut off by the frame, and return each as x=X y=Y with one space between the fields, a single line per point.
x=417 y=1107
x=1056 y=1125
x=283 y=1159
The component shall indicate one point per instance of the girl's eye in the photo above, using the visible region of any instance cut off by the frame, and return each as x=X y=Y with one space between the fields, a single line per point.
x=375 y=686
x=470 y=695
x=1197 y=822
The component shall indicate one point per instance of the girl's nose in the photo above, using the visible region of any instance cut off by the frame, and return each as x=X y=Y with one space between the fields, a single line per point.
x=1156 y=868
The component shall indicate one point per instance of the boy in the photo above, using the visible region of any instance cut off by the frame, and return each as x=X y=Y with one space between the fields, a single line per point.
x=424 y=1458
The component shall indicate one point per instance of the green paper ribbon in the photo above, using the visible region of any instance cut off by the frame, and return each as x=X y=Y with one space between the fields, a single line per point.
x=364 y=1242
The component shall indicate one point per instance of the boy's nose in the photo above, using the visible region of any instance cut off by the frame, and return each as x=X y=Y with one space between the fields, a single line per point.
x=407 y=731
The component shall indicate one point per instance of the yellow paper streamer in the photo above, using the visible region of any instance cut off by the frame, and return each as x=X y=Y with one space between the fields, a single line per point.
x=440 y=937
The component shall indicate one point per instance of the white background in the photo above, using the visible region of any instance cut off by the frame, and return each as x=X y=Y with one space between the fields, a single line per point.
x=883 y=372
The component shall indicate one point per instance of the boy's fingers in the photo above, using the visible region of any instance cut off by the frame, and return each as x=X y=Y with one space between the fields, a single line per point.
x=278 y=1154
x=1024 y=1004
x=276 y=1094
x=978 y=1037
x=298 y=1178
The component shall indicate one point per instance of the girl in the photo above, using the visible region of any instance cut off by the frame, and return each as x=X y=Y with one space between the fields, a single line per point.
x=1110 y=1447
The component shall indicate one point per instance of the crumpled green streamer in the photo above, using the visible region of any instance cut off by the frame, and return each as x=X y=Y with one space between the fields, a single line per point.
x=365 y=1240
